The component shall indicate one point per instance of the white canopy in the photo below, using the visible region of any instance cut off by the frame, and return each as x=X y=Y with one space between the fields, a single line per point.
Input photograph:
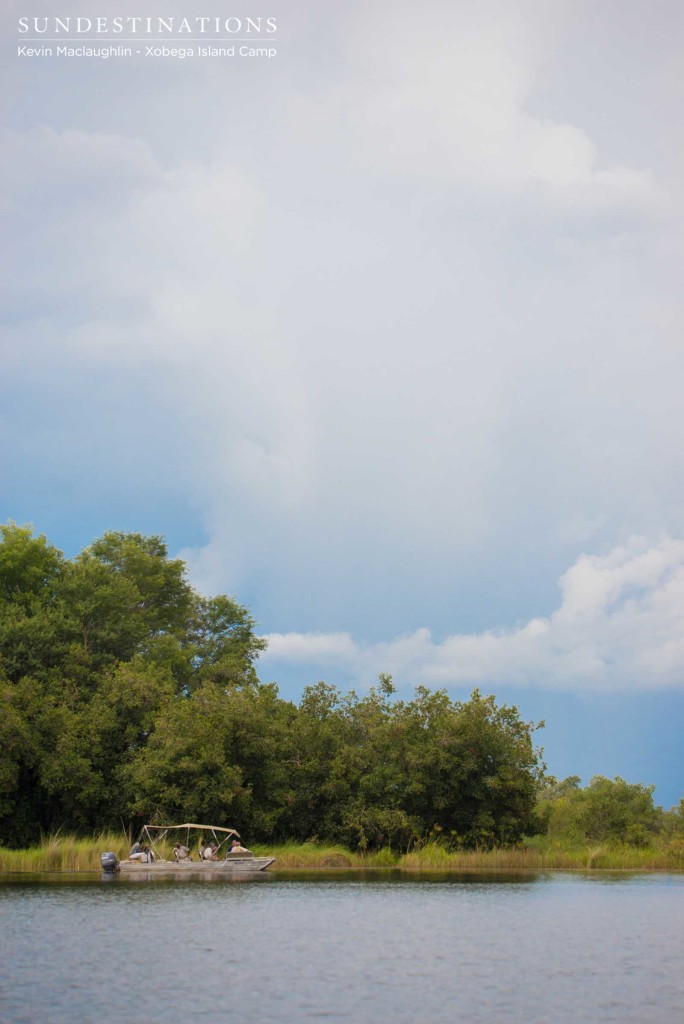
x=205 y=828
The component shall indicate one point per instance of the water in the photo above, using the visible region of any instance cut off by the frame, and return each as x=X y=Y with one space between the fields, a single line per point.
x=531 y=949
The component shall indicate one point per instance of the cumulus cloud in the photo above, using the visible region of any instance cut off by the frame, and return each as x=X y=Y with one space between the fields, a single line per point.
x=451 y=99
x=307 y=647
x=619 y=627
x=392 y=326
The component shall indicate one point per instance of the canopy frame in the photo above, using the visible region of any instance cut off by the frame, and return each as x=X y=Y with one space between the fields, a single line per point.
x=163 y=830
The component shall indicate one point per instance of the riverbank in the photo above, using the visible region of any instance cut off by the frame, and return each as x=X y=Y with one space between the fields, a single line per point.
x=435 y=858
x=69 y=853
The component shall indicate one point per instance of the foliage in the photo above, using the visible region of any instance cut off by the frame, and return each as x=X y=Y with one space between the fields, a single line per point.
x=606 y=811
x=126 y=697
x=94 y=654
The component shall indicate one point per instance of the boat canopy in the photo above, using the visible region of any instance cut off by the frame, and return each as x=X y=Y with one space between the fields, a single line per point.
x=155 y=834
x=204 y=828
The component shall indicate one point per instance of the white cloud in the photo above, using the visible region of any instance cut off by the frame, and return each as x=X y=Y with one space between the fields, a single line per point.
x=449 y=98
x=619 y=627
x=82 y=168
x=387 y=323
x=304 y=647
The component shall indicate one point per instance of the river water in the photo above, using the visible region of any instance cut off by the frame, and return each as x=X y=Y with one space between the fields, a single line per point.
x=520 y=949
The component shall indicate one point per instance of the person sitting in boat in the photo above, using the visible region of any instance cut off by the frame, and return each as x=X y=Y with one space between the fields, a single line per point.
x=143 y=854
x=181 y=852
x=209 y=852
x=236 y=847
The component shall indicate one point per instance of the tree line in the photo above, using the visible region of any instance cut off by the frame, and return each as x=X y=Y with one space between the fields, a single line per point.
x=126 y=696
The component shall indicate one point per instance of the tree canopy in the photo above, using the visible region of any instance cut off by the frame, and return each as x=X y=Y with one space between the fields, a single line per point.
x=606 y=811
x=126 y=696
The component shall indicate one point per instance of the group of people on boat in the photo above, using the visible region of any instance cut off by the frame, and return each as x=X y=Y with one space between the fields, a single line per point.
x=209 y=851
x=181 y=853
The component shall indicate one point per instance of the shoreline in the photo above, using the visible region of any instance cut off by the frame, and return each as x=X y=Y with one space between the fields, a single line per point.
x=70 y=853
x=94 y=873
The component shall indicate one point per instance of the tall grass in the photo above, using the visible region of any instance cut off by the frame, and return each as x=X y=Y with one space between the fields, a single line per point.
x=308 y=855
x=70 y=853
x=434 y=856
x=64 y=853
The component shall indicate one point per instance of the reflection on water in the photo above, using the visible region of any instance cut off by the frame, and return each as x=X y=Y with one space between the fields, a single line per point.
x=340 y=875
x=344 y=946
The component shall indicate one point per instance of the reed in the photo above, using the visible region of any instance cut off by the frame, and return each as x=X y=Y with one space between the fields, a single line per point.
x=293 y=856
x=72 y=853
x=64 y=853
x=432 y=857
x=318 y=856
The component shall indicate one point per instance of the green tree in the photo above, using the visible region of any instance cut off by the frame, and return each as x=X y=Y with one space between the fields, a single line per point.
x=375 y=770
x=124 y=596
x=315 y=736
x=606 y=811
x=619 y=811
x=185 y=770
x=17 y=749
x=32 y=636
x=221 y=642
x=93 y=653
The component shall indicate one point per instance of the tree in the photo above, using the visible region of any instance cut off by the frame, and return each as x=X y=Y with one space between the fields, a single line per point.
x=124 y=596
x=185 y=770
x=31 y=617
x=125 y=693
x=93 y=653
x=606 y=811
x=619 y=811
x=375 y=770
x=477 y=767
x=221 y=642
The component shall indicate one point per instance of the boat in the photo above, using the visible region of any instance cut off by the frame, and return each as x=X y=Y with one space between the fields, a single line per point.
x=193 y=836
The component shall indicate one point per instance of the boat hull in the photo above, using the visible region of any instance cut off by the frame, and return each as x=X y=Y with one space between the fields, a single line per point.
x=231 y=866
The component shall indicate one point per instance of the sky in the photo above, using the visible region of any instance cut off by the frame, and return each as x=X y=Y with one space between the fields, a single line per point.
x=383 y=333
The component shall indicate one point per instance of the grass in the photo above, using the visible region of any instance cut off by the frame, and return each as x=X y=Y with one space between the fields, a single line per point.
x=543 y=858
x=69 y=853
x=291 y=856
x=64 y=853
x=540 y=856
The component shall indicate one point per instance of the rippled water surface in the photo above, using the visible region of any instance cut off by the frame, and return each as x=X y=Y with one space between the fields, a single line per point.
x=547 y=949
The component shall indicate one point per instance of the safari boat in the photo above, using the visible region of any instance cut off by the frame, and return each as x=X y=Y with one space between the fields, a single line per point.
x=193 y=837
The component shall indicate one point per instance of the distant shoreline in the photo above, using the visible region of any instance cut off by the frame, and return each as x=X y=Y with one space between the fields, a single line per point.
x=69 y=854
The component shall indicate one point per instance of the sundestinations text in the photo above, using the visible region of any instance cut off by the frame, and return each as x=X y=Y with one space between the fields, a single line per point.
x=147 y=26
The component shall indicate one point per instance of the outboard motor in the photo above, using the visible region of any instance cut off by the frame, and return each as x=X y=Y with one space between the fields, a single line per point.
x=109 y=862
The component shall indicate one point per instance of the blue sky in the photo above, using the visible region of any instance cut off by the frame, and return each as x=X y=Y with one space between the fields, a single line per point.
x=384 y=336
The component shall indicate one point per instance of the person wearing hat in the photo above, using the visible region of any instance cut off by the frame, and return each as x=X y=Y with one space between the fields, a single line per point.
x=236 y=847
